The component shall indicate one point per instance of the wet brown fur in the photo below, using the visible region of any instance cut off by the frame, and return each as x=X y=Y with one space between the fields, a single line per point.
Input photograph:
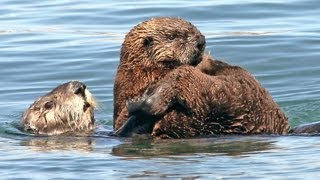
x=69 y=108
x=225 y=99
x=151 y=50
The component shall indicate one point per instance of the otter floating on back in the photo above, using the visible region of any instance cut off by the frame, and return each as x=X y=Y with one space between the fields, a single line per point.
x=229 y=100
x=211 y=98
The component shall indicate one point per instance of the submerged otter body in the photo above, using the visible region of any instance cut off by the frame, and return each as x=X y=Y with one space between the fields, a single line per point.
x=151 y=50
x=307 y=129
x=69 y=108
x=225 y=99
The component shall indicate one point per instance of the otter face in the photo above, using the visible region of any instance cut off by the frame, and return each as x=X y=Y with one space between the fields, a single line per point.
x=68 y=108
x=164 y=41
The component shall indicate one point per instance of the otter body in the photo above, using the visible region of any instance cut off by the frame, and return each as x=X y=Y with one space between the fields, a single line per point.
x=225 y=99
x=184 y=92
x=151 y=50
x=69 y=108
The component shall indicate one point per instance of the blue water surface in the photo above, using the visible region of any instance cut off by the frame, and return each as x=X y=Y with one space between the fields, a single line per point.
x=46 y=43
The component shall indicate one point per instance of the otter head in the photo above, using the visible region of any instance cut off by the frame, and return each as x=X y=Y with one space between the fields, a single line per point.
x=69 y=108
x=163 y=41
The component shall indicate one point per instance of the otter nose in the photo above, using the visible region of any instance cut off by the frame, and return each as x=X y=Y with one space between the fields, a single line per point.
x=79 y=87
x=201 y=42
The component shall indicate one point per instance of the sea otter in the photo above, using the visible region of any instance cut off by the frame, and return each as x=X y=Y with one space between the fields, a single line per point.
x=150 y=50
x=189 y=102
x=69 y=108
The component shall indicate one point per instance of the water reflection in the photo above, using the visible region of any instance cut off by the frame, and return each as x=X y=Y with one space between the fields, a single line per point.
x=59 y=143
x=230 y=146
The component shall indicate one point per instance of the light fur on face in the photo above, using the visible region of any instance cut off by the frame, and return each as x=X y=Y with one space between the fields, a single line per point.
x=69 y=108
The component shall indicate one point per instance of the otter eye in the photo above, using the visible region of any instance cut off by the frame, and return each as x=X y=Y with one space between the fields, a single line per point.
x=49 y=105
x=148 y=41
x=172 y=37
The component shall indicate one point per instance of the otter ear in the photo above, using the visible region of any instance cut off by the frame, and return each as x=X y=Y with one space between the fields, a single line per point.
x=148 y=41
x=49 y=105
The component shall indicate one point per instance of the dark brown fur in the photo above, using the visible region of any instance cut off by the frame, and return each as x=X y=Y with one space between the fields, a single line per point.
x=66 y=109
x=151 y=50
x=225 y=100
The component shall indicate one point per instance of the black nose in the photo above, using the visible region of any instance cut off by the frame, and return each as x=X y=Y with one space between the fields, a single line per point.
x=201 y=43
x=79 y=87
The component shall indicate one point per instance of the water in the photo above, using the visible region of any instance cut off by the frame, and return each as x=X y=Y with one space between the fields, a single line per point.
x=46 y=43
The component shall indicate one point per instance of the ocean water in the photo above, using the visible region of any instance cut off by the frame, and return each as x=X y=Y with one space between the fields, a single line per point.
x=46 y=43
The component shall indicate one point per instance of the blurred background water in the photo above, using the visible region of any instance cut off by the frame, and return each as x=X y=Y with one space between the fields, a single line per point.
x=46 y=43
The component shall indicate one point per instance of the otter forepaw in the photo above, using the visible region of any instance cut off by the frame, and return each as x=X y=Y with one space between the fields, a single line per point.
x=147 y=105
x=134 y=105
x=127 y=129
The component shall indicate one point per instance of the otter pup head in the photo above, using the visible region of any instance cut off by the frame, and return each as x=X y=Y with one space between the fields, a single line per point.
x=69 y=108
x=163 y=41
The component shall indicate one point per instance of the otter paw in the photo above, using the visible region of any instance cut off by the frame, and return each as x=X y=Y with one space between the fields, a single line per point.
x=127 y=128
x=135 y=105
x=151 y=105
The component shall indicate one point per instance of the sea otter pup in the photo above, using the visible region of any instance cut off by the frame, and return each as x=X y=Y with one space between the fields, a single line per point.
x=150 y=50
x=187 y=102
x=69 y=108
